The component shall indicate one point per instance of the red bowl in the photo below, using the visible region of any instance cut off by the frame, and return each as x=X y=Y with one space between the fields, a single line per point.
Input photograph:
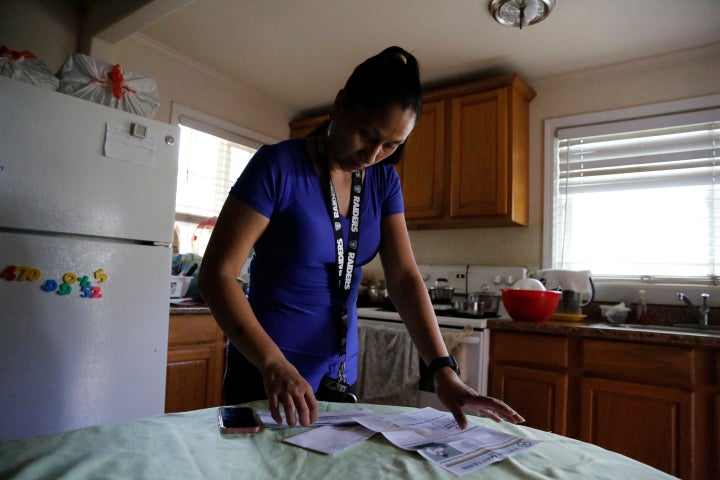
x=534 y=306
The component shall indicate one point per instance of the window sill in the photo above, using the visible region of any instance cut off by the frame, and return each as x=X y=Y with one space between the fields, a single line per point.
x=655 y=293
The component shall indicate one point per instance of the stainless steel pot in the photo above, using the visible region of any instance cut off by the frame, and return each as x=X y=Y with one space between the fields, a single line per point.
x=441 y=292
x=490 y=301
x=469 y=308
x=377 y=293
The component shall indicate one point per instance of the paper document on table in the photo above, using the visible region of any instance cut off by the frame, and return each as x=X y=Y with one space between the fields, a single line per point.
x=345 y=417
x=330 y=439
x=438 y=438
x=465 y=456
x=413 y=429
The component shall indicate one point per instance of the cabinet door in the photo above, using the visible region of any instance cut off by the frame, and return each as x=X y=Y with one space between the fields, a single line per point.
x=648 y=423
x=539 y=396
x=711 y=436
x=423 y=170
x=479 y=155
x=196 y=363
x=715 y=445
x=302 y=128
x=193 y=378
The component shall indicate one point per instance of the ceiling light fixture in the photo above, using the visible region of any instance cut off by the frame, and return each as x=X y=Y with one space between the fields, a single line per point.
x=520 y=13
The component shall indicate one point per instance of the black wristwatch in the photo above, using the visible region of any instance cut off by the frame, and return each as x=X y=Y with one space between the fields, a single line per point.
x=443 y=362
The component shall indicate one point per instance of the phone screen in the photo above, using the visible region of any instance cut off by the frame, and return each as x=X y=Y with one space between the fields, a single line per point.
x=238 y=420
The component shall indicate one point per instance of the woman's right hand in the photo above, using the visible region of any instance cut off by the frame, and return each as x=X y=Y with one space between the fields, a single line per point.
x=284 y=384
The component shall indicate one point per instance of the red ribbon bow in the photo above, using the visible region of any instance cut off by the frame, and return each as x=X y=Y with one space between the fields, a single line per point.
x=15 y=55
x=116 y=81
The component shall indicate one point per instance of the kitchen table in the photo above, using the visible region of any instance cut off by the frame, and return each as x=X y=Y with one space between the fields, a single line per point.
x=188 y=446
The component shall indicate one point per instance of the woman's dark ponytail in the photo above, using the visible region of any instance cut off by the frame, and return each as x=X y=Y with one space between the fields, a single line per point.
x=390 y=77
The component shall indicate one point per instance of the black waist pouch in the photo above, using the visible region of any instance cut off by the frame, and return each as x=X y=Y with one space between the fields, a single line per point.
x=332 y=390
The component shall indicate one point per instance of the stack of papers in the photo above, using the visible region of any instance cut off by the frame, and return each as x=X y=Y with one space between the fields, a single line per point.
x=433 y=434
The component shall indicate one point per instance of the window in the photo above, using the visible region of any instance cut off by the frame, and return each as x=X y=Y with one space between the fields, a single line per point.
x=213 y=153
x=207 y=168
x=635 y=194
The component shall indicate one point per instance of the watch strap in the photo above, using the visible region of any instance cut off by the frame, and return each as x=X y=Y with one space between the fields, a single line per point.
x=442 y=362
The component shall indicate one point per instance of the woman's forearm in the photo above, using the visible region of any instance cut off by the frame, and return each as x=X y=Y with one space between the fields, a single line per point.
x=232 y=311
x=412 y=301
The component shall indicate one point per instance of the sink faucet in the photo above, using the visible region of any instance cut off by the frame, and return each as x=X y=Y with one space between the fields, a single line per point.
x=700 y=313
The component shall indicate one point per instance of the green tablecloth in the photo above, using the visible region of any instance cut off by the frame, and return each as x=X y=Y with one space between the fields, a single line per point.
x=189 y=446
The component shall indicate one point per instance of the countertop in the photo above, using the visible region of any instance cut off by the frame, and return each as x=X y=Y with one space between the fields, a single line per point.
x=189 y=308
x=607 y=331
x=589 y=329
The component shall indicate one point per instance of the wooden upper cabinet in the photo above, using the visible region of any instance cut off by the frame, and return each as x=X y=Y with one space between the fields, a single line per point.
x=479 y=155
x=488 y=155
x=303 y=128
x=423 y=171
x=466 y=161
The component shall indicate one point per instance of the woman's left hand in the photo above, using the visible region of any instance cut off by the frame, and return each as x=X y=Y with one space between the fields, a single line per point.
x=455 y=395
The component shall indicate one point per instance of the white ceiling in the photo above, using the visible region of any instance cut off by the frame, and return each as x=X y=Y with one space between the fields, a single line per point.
x=300 y=52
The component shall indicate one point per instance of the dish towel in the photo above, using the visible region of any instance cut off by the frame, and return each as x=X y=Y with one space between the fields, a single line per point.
x=388 y=364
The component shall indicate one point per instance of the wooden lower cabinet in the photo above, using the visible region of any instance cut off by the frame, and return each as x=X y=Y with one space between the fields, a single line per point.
x=648 y=423
x=639 y=400
x=196 y=363
x=540 y=395
x=716 y=433
x=530 y=373
x=714 y=420
x=655 y=403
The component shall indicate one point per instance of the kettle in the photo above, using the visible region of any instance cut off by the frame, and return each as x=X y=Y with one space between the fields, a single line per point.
x=578 y=289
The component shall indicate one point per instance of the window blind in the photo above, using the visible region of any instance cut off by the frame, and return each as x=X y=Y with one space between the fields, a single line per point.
x=208 y=166
x=639 y=197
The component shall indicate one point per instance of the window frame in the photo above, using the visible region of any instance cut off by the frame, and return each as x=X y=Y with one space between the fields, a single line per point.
x=204 y=122
x=618 y=290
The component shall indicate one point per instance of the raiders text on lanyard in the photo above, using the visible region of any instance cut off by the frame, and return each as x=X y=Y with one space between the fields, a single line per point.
x=345 y=269
x=352 y=250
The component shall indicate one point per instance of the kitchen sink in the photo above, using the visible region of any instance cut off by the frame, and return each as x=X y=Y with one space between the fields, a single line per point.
x=678 y=327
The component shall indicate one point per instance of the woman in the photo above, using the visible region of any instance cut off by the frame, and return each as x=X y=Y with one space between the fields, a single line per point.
x=315 y=210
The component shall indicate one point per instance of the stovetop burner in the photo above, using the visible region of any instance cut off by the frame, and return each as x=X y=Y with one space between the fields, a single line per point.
x=457 y=314
x=445 y=310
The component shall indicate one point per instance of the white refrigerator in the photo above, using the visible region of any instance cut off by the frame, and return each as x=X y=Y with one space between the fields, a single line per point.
x=87 y=199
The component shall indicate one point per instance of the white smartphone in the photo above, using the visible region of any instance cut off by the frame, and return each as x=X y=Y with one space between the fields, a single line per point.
x=232 y=420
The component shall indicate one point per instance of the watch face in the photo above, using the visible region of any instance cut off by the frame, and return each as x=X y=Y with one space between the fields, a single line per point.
x=454 y=365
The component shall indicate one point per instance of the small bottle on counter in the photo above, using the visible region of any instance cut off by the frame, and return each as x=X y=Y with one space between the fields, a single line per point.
x=641 y=308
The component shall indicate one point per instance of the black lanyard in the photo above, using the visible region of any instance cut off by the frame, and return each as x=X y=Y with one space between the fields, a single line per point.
x=345 y=263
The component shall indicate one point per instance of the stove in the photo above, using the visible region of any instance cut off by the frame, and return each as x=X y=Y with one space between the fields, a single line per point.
x=472 y=278
x=447 y=320
x=446 y=314
x=465 y=279
x=472 y=352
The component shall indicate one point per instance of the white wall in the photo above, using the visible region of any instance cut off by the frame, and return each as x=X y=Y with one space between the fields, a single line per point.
x=47 y=28
x=191 y=84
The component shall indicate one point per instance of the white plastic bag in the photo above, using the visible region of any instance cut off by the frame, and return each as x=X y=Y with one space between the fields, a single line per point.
x=101 y=82
x=26 y=67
